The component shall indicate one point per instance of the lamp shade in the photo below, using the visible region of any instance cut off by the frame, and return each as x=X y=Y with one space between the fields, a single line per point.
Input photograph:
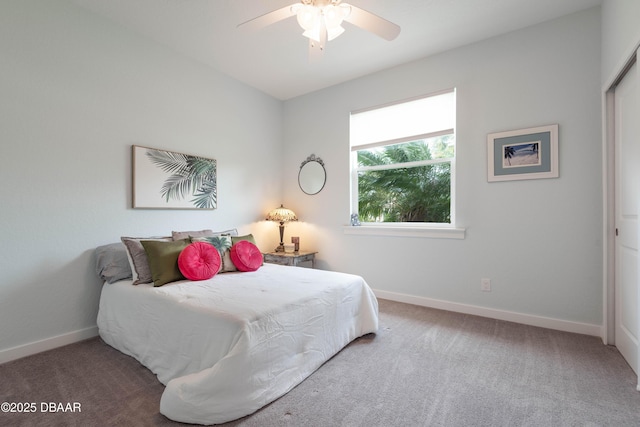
x=313 y=19
x=308 y=16
x=282 y=214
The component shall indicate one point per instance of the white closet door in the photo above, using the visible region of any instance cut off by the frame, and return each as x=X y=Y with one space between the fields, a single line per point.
x=627 y=178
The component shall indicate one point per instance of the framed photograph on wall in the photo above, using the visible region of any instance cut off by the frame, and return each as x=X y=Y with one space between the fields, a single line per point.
x=523 y=154
x=169 y=180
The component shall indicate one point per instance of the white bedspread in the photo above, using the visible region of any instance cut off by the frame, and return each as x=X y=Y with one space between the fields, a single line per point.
x=227 y=346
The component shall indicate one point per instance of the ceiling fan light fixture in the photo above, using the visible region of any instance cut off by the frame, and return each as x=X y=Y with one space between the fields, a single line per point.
x=321 y=21
x=332 y=33
x=334 y=15
x=308 y=16
x=313 y=18
x=314 y=34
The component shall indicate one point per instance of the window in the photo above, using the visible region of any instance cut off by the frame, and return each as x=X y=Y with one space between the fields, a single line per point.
x=403 y=162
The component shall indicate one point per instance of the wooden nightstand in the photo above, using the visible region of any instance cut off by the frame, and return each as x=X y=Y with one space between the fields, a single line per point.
x=290 y=258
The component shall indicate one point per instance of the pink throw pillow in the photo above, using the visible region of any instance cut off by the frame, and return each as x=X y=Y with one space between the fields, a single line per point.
x=199 y=261
x=246 y=256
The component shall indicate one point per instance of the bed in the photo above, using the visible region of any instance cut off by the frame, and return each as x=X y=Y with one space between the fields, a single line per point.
x=227 y=346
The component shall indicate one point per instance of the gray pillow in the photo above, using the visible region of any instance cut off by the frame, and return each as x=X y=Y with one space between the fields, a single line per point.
x=112 y=263
x=138 y=258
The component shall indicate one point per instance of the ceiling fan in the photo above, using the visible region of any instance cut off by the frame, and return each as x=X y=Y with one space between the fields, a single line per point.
x=322 y=20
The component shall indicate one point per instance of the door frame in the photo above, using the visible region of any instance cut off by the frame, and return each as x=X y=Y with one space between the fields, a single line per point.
x=608 y=198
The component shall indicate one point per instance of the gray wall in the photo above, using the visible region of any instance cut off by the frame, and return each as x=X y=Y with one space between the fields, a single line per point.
x=620 y=35
x=77 y=92
x=539 y=241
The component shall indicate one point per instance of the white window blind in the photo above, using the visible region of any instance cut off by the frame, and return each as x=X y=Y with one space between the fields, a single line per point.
x=429 y=116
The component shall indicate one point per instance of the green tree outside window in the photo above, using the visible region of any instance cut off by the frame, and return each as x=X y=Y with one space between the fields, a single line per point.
x=402 y=189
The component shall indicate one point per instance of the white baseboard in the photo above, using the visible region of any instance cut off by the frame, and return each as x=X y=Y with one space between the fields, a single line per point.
x=510 y=316
x=47 y=344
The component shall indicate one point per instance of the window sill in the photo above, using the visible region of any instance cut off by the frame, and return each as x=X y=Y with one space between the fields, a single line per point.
x=406 y=231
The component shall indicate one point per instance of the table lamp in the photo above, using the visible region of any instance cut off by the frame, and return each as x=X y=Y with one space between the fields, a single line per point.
x=281 y=215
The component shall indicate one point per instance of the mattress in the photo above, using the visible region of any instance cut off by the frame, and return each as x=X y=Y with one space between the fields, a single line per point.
x=227 y=346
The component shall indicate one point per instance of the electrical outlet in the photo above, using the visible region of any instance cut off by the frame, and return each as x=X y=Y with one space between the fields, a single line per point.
x=485 y=285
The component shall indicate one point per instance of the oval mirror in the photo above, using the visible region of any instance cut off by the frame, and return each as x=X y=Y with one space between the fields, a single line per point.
x=312 y=175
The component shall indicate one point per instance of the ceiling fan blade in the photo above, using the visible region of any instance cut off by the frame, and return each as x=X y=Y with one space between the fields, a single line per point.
x=373 y=23
x=268 y=18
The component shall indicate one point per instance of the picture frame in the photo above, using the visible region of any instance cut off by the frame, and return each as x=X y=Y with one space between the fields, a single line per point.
x=530 y=153
x=169 y=180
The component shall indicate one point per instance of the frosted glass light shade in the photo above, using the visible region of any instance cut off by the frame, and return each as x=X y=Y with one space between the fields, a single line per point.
x=313 y=19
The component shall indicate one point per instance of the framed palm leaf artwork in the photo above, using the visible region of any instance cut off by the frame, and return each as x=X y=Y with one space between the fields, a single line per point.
x=169 y=180
x=523 y=154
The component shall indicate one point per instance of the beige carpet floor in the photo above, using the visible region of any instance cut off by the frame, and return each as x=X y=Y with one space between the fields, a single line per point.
x=424 y=367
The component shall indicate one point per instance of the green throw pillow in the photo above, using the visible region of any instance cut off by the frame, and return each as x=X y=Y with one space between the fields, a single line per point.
x=163 y=260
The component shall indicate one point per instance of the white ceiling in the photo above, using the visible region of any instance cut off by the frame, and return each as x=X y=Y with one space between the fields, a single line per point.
x=275 y=59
